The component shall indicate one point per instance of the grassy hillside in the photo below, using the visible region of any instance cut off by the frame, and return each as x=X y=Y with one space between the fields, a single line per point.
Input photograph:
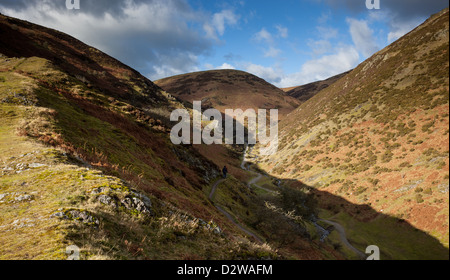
x=86 y=160
x=379 y=137
x=229 y=89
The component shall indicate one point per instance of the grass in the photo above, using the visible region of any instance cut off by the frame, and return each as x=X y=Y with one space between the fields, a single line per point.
x=73 y=126
x=393 y=239
x=47 y=186
x=61 y=185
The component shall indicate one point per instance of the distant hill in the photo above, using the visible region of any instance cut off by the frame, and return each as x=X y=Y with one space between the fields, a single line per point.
x=229 y=89
x=305 y=92
x=379 y=137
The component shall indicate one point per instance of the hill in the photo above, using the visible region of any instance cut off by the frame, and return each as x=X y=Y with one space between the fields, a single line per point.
x=305 y=92
x=379 y=138
x=228 y=89
x=86 y=160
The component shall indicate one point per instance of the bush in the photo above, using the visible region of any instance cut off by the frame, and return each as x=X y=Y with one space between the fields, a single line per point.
x=387 y=156
x=360 y=190
x=405 y=164
x=428 y=191
x=419 y=198
x=426 y=127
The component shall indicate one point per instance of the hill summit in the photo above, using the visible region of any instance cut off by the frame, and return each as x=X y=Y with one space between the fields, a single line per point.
x=229 y=89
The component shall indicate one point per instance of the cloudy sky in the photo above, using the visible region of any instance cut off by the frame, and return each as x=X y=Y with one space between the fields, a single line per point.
x=287 y=42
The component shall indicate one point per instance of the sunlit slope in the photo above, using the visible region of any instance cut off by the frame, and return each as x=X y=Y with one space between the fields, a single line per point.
x=380 y=135
x=229 y=89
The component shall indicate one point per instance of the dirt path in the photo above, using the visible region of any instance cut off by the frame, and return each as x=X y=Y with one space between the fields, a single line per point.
x=211 y=195
x=258 y=175
x=340 y=229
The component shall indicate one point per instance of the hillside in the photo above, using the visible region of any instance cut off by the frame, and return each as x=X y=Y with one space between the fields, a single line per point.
x=379 y=138
x=86 y=160
x=228 y=89
x=305 y=92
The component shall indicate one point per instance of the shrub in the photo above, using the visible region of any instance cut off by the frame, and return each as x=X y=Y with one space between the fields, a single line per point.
x=419 y=190
x=360 y=190
x=419 y=198
x=431 y=152
x=374 y=182
x=387 y=156
x=428 y=191
x=426 y=127
x=405 y=164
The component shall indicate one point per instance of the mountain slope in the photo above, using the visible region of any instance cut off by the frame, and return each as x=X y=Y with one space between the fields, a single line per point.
x=86 y=160
x=305 y=92
x=379 y=137
x=228 y=89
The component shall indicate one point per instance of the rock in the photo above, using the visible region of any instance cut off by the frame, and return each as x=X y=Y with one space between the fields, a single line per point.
x=22 y=223
x=77 y=215
x=36 y=165
x=98 y=190
x=24 y=198
x=107 y=200
x=147 y=202
x=83 y=217
x=217 y=231
x=140 y=205
x=444 y=188
x=60 y=215
x=134 y=203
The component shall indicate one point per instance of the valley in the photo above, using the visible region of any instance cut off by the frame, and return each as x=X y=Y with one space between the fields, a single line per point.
x=87 y=158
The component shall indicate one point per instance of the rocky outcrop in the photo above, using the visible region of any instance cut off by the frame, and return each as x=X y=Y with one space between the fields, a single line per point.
x=119 y=198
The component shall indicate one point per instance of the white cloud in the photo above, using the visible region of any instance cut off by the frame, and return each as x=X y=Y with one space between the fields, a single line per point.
x=225 y=66
x=269 y=74
x=159 y=38
x=223 y=18
x=345 y=58
x=217 y=25
x=362 y=37
x=283 y=32
x=320 y=47
x=342 y=59
x=264 y=35
x=327 y=32
x=272 y=52
x=400 y=28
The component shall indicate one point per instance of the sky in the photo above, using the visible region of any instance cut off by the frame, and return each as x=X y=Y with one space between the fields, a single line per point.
x=286 y=42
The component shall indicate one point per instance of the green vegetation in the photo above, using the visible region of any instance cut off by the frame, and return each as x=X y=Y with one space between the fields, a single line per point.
x=391 y=236
x=377 y=129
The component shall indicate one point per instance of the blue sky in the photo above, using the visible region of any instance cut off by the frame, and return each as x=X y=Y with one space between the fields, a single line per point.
x=287 y=42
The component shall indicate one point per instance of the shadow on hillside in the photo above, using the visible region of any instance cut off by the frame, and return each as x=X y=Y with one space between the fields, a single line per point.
x=74 y=58
x=364 y=226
